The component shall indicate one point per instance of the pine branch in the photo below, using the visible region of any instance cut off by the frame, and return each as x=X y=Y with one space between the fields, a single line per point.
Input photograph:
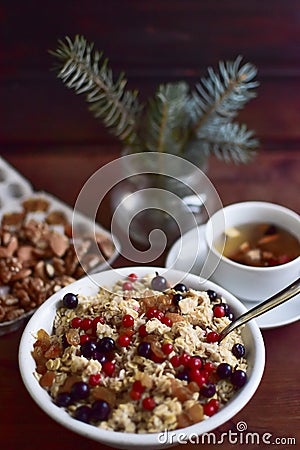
x=231 y=142
x=175 y=121
x=83 y=70
x=218 y=98
x=166 y=118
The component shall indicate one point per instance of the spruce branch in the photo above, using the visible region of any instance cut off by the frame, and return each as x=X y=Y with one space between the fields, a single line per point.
x=82 y=70
x=231 y=142
x=218 y=97
x=190 y=124
x=166 y=118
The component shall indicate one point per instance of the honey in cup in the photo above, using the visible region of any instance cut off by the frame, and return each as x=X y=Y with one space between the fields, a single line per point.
x=259 y=245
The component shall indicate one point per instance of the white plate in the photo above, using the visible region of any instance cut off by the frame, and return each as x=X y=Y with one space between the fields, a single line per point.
x=188 y=254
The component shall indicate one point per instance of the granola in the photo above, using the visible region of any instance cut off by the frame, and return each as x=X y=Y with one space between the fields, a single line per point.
x=138 y=360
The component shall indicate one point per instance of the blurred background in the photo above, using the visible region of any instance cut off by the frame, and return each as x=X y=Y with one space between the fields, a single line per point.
x=152 y=42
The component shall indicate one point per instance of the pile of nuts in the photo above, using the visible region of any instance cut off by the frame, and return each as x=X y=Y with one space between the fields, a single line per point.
x=38 y=257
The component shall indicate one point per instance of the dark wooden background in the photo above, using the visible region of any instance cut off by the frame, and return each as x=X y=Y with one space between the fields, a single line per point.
x=153 y=42
x=47 y=133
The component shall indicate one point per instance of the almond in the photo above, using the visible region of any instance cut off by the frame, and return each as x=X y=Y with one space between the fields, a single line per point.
x=58 y=243
x=25 y=253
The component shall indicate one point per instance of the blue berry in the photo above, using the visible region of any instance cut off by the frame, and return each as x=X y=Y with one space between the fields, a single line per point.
x=224 y=370
x=144 y=349
x=226 y=308
x=177 y=298
x=70 y=300
x=87 y=349
x=208 y=390
x=105 y=345
x=230 y=316
x=83 y=413
x=100 y=410
x=212 y=295
x=180 y=287
x=183 y=375
x=238 y=378
x=99 y=357
x=63 y=399
x=80 y=390
x=238 y=350
x=228 y=312
x=159 y=283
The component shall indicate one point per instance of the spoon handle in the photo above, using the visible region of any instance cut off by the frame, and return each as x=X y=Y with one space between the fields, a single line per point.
x=277 y=299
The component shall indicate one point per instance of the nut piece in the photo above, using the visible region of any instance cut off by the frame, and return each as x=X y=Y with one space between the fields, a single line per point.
x=58 y=243
x=37 y=259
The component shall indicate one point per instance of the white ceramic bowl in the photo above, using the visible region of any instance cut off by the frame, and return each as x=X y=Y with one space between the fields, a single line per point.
x=43 y=318
x=250 y=283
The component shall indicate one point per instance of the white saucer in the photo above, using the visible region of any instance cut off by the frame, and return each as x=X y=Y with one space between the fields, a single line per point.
x=188 y=254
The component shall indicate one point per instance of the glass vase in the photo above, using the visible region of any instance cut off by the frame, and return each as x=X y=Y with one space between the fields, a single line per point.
x=159 y=198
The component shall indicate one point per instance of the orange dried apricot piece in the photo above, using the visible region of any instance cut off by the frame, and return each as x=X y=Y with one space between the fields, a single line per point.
x=183 y=420
x=47 y=379
x=195 y=413
x=104 y=393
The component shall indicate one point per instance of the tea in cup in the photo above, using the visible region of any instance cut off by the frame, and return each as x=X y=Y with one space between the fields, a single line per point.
x=253 y=249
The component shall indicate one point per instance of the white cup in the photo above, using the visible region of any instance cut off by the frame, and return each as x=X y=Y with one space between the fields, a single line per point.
x=248 y=282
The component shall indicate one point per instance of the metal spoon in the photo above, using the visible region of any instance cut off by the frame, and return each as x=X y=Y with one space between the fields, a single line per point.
x=277 y=299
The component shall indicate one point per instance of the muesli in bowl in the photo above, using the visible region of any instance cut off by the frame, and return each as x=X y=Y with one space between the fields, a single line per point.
x=139 y=355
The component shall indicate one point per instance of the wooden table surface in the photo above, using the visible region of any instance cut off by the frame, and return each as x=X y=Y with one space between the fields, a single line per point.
x=274 y=410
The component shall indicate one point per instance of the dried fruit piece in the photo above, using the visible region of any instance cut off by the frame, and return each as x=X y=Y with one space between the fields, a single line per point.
x=195 y=413
x=69 y=382
x=183 y=420
x=72 y=337
x=175 y=317
x=54 y=351
x=104 y=393
x=43 y=340
x=47 y=379
x=182 y=393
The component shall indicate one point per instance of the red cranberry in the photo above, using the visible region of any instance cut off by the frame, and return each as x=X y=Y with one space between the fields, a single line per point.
x=108 y=368
x=127 y=321
x=124 y=340
x=143 y=331
x=94 y=379
x=149 y=403
x=167 y=348
x=132 y=277
x=195 y=363
x=76 y=322
x=167 y=321
x=175 y=361
x=212 y=336
x=219 y=311
x=86 y=324
x=127 y=286
x=211 y=407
